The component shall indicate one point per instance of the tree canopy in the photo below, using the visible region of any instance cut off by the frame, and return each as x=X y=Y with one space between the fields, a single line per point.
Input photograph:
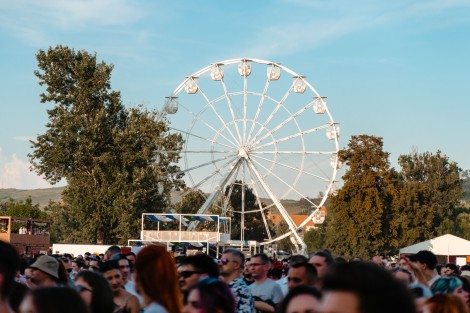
x=110 y=156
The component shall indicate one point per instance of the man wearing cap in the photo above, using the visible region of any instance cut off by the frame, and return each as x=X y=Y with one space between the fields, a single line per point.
x=426 y=261
x=45 y=271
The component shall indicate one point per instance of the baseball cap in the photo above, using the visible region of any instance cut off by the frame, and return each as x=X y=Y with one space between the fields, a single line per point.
x=48 y=265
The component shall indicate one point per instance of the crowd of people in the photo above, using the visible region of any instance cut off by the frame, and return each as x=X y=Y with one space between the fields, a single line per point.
x=155 y=282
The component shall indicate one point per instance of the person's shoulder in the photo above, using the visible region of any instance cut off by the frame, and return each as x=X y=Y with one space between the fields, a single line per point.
x=155 y=308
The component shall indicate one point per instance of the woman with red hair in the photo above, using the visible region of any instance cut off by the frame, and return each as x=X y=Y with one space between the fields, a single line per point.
x=157 y=281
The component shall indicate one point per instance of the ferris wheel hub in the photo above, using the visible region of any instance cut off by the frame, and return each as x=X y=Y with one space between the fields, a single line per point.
x=243 y=152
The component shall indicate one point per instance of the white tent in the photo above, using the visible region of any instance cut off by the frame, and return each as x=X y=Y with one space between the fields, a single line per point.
x=448 y=245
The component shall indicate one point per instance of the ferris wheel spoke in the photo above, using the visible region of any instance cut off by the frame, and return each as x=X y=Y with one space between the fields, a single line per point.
x=293 y=168
x=258 y=111
x=205 y=164
x=261 y=211
x=285 y=183
x=196 y=118
x=273 y=113
x=217 y=171
x=200 y=137
x=279 y=126
x=305 y=132
x=229 y=102
x=299 y=152
x=218 y=115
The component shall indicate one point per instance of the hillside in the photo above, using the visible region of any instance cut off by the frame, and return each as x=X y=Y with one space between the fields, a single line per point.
x=43 y=196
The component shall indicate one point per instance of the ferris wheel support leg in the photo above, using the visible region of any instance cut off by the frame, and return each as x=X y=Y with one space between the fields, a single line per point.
x=300 y=244
x=213 y=196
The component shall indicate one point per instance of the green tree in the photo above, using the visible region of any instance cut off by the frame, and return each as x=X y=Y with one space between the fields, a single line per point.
x=430 y=193
x=110 y=156
x=315 y=239
x=361 y=213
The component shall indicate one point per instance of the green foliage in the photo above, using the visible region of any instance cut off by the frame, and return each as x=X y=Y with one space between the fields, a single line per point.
x=315 y=239
x=361 y=212
x=109 y=155
x=24 y=209
x=430 y=193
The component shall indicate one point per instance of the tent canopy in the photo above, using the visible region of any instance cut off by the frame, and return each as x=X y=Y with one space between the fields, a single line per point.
x=443 y=245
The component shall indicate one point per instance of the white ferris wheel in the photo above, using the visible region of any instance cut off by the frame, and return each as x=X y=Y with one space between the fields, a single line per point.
x=257 y=124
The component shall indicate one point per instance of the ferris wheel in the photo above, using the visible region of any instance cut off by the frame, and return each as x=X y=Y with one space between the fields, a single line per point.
x=259 y=125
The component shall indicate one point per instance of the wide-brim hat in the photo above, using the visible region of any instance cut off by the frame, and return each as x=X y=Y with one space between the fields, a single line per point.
x=48 y=265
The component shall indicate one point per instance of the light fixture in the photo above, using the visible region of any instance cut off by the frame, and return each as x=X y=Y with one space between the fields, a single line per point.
x=244 y=68
x=171 y=105
x=319 y=106
x=191 y=86
x=299 y=84
x=274 y=72
x=217 y=72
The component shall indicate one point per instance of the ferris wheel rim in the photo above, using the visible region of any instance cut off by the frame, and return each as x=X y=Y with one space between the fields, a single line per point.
x=236 y=143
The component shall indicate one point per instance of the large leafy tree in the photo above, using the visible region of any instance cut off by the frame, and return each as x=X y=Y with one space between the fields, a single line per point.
x=430 y=194
x=361 y=213
x=110 y=156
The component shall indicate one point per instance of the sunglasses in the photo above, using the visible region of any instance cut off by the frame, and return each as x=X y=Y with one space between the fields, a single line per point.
x=186 y=274
x=224 y=261
x=80 y=288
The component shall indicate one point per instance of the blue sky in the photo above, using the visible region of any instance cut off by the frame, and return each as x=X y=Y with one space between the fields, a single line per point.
x=396 y=69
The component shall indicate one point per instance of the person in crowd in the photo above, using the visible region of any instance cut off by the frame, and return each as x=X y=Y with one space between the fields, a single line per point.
x=247 y=278
x=210 y=295
x=449 y=285
x=156 y=280
x=451 y=269
x=301 y=274
x=403 y=275
x=125 y=267
x=17 y=294
x=27 y=276
x=112 y=253
x=466 y=288
x=301 y=299
x=45 y=271
x=426 y=262
x=322 y=260
x=195 y=267
x=298 y=258
x=131 y=257
x=266 y=293
x=53 y=300
x=94 y=263
x=95 y=291
x=445 y=303
x=9 y=265
x=123 y=300
x=359 y=287
x=275 y=274
x=231 y=267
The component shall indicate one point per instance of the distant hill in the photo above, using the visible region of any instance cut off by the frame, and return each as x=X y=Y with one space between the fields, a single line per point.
x=43 y=196
x=40 y=196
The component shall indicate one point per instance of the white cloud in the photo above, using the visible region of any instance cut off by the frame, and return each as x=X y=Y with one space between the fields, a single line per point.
x=35 y=21
x=15 y=173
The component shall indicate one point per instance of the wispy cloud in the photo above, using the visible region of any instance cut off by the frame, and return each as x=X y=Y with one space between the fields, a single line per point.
x=15 y=173
x=333 y=20
x=36 y=21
